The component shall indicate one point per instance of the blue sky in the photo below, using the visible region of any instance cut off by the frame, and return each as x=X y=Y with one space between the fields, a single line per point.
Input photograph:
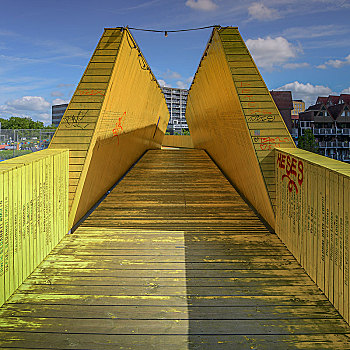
x=299 y=45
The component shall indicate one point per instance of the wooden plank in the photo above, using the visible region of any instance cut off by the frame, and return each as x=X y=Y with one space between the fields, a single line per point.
x=321 y=213
x=157 y=312
x=176 y=342
x=328 y=228
x=218 y=276
x=340 y=245
x=2 y=241
x=11 y=257
x=346 y=208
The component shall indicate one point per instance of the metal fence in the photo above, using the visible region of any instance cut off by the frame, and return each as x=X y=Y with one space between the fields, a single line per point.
x=16 y=142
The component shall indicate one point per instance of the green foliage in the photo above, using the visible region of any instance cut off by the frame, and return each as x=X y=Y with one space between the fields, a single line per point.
x=23 y=123
x=50 y=127
x=167 y=133
x=8 y=154
x=185 y=132
x=307 y=141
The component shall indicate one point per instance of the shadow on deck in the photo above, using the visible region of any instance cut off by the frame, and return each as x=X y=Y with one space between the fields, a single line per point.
x=173 y=259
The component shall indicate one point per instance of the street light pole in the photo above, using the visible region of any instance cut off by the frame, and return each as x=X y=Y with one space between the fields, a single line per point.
x=14 y=132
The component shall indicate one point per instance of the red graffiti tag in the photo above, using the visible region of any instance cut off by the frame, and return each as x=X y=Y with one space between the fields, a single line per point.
x=92 y=92
x=118 y=127
x=243 y=84
x=269 y=143
x=294 y=171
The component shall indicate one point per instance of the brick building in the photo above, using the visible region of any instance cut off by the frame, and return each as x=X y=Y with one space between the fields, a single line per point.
x=329 y=119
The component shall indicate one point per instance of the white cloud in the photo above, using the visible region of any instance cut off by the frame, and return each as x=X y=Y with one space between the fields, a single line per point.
x=335 y=63
x=170 y=75
x=346 y=91
x=45 y=118
x=339 y=63
x=189 y=79
x=316 y=31
x=259 y=11
x=65 y=85
x=29 y=103
x=175 y=79
x=181 y=84
x=162 y=82
x=204 y=5
x=306 y=92
x=35 y=107
x=57 y=94
x=7 y=33
x=270 y=52
x=296 y=65
x=59 y=101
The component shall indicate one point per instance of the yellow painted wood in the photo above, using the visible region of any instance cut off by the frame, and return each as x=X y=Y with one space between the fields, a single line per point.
x=29 y=213
x=346 y=210
x=2 y=242
x=340 y=244
x=6 y=225
x=324 y=238
x=181 y=141
x=117 y=112
x=232 y=116
x=173 y=258
x=328 y=229
x=321 y=228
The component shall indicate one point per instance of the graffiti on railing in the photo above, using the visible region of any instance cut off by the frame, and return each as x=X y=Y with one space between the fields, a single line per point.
x=294 y=171
x=257 y=118
x=269 y=143
x=118 y=126
x=76 y=121
x=88 y=92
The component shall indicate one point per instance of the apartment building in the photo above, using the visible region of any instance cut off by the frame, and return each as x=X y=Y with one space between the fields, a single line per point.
x=57 y=113
x=176 y=100
x=329 y=120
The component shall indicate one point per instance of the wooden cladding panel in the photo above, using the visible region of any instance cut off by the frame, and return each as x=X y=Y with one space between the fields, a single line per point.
x=117 y=95
x=173 y=258
x=231 y=114
x=77 y=126
x=258 y=106
x=34 y=213
x=312 y=219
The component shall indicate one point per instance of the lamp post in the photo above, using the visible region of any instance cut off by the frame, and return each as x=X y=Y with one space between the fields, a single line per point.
x=13 y=147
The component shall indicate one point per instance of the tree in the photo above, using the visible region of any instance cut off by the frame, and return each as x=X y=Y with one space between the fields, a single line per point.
x=308 y=142
x=185 y=132
x=23 y=123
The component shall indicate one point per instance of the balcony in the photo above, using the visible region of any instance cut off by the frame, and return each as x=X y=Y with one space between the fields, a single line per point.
x=343 y=131
x=324 y=131
x=333 y=144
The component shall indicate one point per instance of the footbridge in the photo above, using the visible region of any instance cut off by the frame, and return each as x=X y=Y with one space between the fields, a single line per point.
x=118 y=237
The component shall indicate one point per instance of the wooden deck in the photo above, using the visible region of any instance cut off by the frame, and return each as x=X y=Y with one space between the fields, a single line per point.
x=172 y=259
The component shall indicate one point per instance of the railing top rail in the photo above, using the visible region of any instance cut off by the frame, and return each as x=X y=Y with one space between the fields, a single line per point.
x=317 y=159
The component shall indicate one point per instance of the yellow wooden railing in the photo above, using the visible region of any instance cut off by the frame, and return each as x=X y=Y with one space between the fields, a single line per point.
x=312 y=219
x=33 y=213
x=180 y=141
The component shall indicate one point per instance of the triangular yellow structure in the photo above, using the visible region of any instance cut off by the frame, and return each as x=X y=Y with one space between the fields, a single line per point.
x=231 y=114
x=117 y=112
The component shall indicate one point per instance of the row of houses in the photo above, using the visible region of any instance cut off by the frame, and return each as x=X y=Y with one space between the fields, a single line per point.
x=328 y=119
